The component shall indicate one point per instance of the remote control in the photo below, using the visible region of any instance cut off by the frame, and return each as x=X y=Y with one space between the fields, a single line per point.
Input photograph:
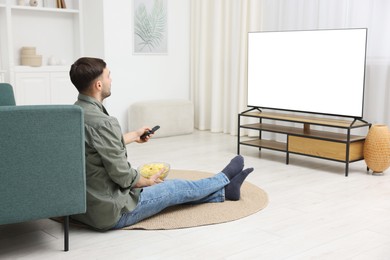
x=149 y=132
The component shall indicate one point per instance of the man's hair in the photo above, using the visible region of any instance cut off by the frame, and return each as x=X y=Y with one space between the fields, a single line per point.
x=84 y=71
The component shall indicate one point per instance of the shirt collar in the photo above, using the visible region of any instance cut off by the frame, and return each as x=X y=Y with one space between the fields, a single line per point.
x=92 y=101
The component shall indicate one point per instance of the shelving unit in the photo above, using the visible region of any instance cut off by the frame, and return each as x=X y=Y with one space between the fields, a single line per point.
x=54 y=32
x=342 y=147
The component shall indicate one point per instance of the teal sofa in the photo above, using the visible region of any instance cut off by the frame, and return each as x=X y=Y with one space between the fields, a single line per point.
x=7 y=97
x=42 y=163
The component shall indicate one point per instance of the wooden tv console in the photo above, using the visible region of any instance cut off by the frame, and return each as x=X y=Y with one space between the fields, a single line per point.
x=341 y=147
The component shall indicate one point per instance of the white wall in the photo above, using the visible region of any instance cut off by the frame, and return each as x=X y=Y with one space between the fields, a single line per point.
x=93 y=23
x=139 y=77
x=325 y=14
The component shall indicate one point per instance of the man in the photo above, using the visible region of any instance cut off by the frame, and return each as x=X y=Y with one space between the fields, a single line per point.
x=117 y=196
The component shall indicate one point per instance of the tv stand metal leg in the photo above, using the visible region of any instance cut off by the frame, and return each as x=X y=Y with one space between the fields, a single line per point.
x=287 y=158
x=347 y=152
x=238 y=135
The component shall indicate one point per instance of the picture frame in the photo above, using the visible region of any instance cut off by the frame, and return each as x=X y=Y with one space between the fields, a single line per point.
x=150 y=27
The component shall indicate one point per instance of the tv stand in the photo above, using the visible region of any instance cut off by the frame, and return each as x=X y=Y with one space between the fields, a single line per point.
x=340 y=147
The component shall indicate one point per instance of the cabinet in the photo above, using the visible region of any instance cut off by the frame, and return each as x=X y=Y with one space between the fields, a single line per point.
x=56 y=34
x=2 y=76
x=343 y=147
x=48 y=85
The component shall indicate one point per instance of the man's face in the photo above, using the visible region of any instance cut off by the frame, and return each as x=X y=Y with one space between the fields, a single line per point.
x=106 y=81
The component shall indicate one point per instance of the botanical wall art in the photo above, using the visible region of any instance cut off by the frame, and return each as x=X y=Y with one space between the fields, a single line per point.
x=150 y=27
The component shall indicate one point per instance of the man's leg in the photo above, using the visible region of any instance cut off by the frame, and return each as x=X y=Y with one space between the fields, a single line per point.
x=155 y=198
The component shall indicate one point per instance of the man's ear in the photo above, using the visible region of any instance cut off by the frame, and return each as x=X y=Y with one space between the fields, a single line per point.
x=98 y=85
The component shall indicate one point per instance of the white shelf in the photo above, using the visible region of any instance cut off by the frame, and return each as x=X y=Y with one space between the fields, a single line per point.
x=42 y=68
x=44 y=9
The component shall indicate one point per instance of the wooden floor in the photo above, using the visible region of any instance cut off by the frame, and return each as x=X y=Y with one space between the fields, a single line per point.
x=314 y=212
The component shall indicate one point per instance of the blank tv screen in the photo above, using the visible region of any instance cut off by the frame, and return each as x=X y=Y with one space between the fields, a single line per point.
x=319 y=71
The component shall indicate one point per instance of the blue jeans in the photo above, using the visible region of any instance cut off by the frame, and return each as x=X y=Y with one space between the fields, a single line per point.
x=154 y=199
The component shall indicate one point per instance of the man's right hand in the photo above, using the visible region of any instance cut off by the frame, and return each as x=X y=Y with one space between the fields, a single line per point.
x=154 y=179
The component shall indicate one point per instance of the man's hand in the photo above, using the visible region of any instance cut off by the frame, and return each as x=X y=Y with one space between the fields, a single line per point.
x=135 y=136
x=154 y=179
x=140 y=132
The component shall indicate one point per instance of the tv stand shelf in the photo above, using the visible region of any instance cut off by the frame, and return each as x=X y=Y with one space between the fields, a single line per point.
x=342 y=147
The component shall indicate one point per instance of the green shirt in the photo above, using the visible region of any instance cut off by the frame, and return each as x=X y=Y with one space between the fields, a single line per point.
x=110 y=178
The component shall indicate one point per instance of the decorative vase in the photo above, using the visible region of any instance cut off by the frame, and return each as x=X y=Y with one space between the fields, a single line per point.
x=377 y=148
x=33 y=2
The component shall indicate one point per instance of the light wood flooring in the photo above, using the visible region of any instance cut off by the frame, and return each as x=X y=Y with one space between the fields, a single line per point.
x=314 y=212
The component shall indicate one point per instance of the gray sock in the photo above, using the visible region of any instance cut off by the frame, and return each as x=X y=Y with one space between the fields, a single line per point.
x=234 y=167
x=232 y=190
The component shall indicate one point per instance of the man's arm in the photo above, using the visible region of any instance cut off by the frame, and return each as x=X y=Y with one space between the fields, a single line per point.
x=135 y=136
x=107 y=140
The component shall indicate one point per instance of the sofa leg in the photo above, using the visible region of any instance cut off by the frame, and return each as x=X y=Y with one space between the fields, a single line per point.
x=66 y=233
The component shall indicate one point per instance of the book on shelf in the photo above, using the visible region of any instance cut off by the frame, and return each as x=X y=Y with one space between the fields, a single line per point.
x=61 y=4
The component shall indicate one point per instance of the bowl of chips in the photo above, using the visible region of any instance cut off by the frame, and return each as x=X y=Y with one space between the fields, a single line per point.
x=149 y=169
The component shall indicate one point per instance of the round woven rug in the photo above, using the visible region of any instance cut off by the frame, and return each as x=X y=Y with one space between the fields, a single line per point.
x=252 y=200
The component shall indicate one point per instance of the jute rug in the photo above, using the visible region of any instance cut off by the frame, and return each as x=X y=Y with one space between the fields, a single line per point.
x=252 y=200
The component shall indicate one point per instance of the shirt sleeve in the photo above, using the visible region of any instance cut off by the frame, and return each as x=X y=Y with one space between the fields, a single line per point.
x=107 y=140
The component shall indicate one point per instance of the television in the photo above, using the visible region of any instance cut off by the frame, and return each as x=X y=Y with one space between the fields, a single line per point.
x=311 y=71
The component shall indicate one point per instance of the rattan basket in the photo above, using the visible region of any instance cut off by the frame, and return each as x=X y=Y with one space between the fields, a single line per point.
x=377 y=148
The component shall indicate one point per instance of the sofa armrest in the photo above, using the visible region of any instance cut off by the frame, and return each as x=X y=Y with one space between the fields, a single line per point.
x=42 y=162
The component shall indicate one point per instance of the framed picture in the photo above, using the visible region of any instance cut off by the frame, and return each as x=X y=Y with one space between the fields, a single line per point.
x=150 y=27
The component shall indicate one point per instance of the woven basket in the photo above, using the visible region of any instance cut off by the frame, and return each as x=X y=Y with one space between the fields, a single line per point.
x=377 y=148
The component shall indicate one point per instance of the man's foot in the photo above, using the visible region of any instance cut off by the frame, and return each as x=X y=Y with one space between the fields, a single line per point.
x=232 y=190
x=234 y=167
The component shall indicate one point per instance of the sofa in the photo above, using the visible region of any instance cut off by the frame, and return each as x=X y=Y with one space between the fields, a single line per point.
x=7 y=97
x=42 y=163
